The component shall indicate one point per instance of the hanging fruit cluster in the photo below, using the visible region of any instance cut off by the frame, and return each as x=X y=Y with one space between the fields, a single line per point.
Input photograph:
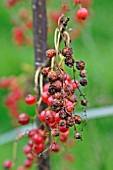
x=58 y=93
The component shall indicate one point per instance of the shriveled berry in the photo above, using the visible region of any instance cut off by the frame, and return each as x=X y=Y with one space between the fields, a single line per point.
x=67 y=51
x=23 y=119
x=57 y=84
x=51 y=90
x=45 y=71
x=77 y=119
x=62 y=122
x=70 y=121
x=72 y=98
x=83 y=73
x=62 y=114
x=69 y=89
x=57 y=103
x=30 y=99
x=84 y=102
x=52 y=75
x=78 y=136
x=58 y=95
x=69 y=61
x=50 y=53
x=82 y=13
x=83 y=82
x=80 y=65
x=55 y=132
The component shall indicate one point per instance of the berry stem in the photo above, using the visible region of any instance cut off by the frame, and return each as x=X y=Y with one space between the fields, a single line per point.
x=36 y=76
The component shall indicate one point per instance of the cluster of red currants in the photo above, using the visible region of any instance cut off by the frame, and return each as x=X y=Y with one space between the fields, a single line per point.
x=14 y=96
x=22 y=24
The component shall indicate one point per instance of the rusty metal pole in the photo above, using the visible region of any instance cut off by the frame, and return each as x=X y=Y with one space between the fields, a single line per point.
x=40 y=46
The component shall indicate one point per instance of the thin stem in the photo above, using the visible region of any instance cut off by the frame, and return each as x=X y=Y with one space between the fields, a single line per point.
x=36 y=76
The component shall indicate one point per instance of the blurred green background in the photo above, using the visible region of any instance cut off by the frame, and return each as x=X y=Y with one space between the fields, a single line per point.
x=95 y=46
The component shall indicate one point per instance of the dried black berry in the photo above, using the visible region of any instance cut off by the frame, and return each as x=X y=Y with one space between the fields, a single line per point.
x=80 y=65
x=62 y=114
x=67 y=51
x=69 y=61
x=83 y=82
x=70 y=121
x=78 y=119
x=84 y=102
x=78 y=136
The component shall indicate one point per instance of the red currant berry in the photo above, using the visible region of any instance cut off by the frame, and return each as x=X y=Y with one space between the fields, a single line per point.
x=37 y=138
x=77 y=1
x=50 y=116
x=20 y=168
x=46 y=87
x=75 y=84
x=40 y=147
x=66 y=134
x=63 y=129
x=27 y=149
x=7 y=164
x=50 y=100
x=57 y=118
x=27 y=163
x=32 y=132
x=23 y=119
x=55 y=147
x=63 y=139
x=45 y=97
x=30 y=99
x=4 y=83
x=30 y=143
x=82 y=13
x=52 y=125
x=42 y=115
x=30 y=157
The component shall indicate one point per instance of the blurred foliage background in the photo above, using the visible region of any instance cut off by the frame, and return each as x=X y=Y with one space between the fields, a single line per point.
x=95 y=46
